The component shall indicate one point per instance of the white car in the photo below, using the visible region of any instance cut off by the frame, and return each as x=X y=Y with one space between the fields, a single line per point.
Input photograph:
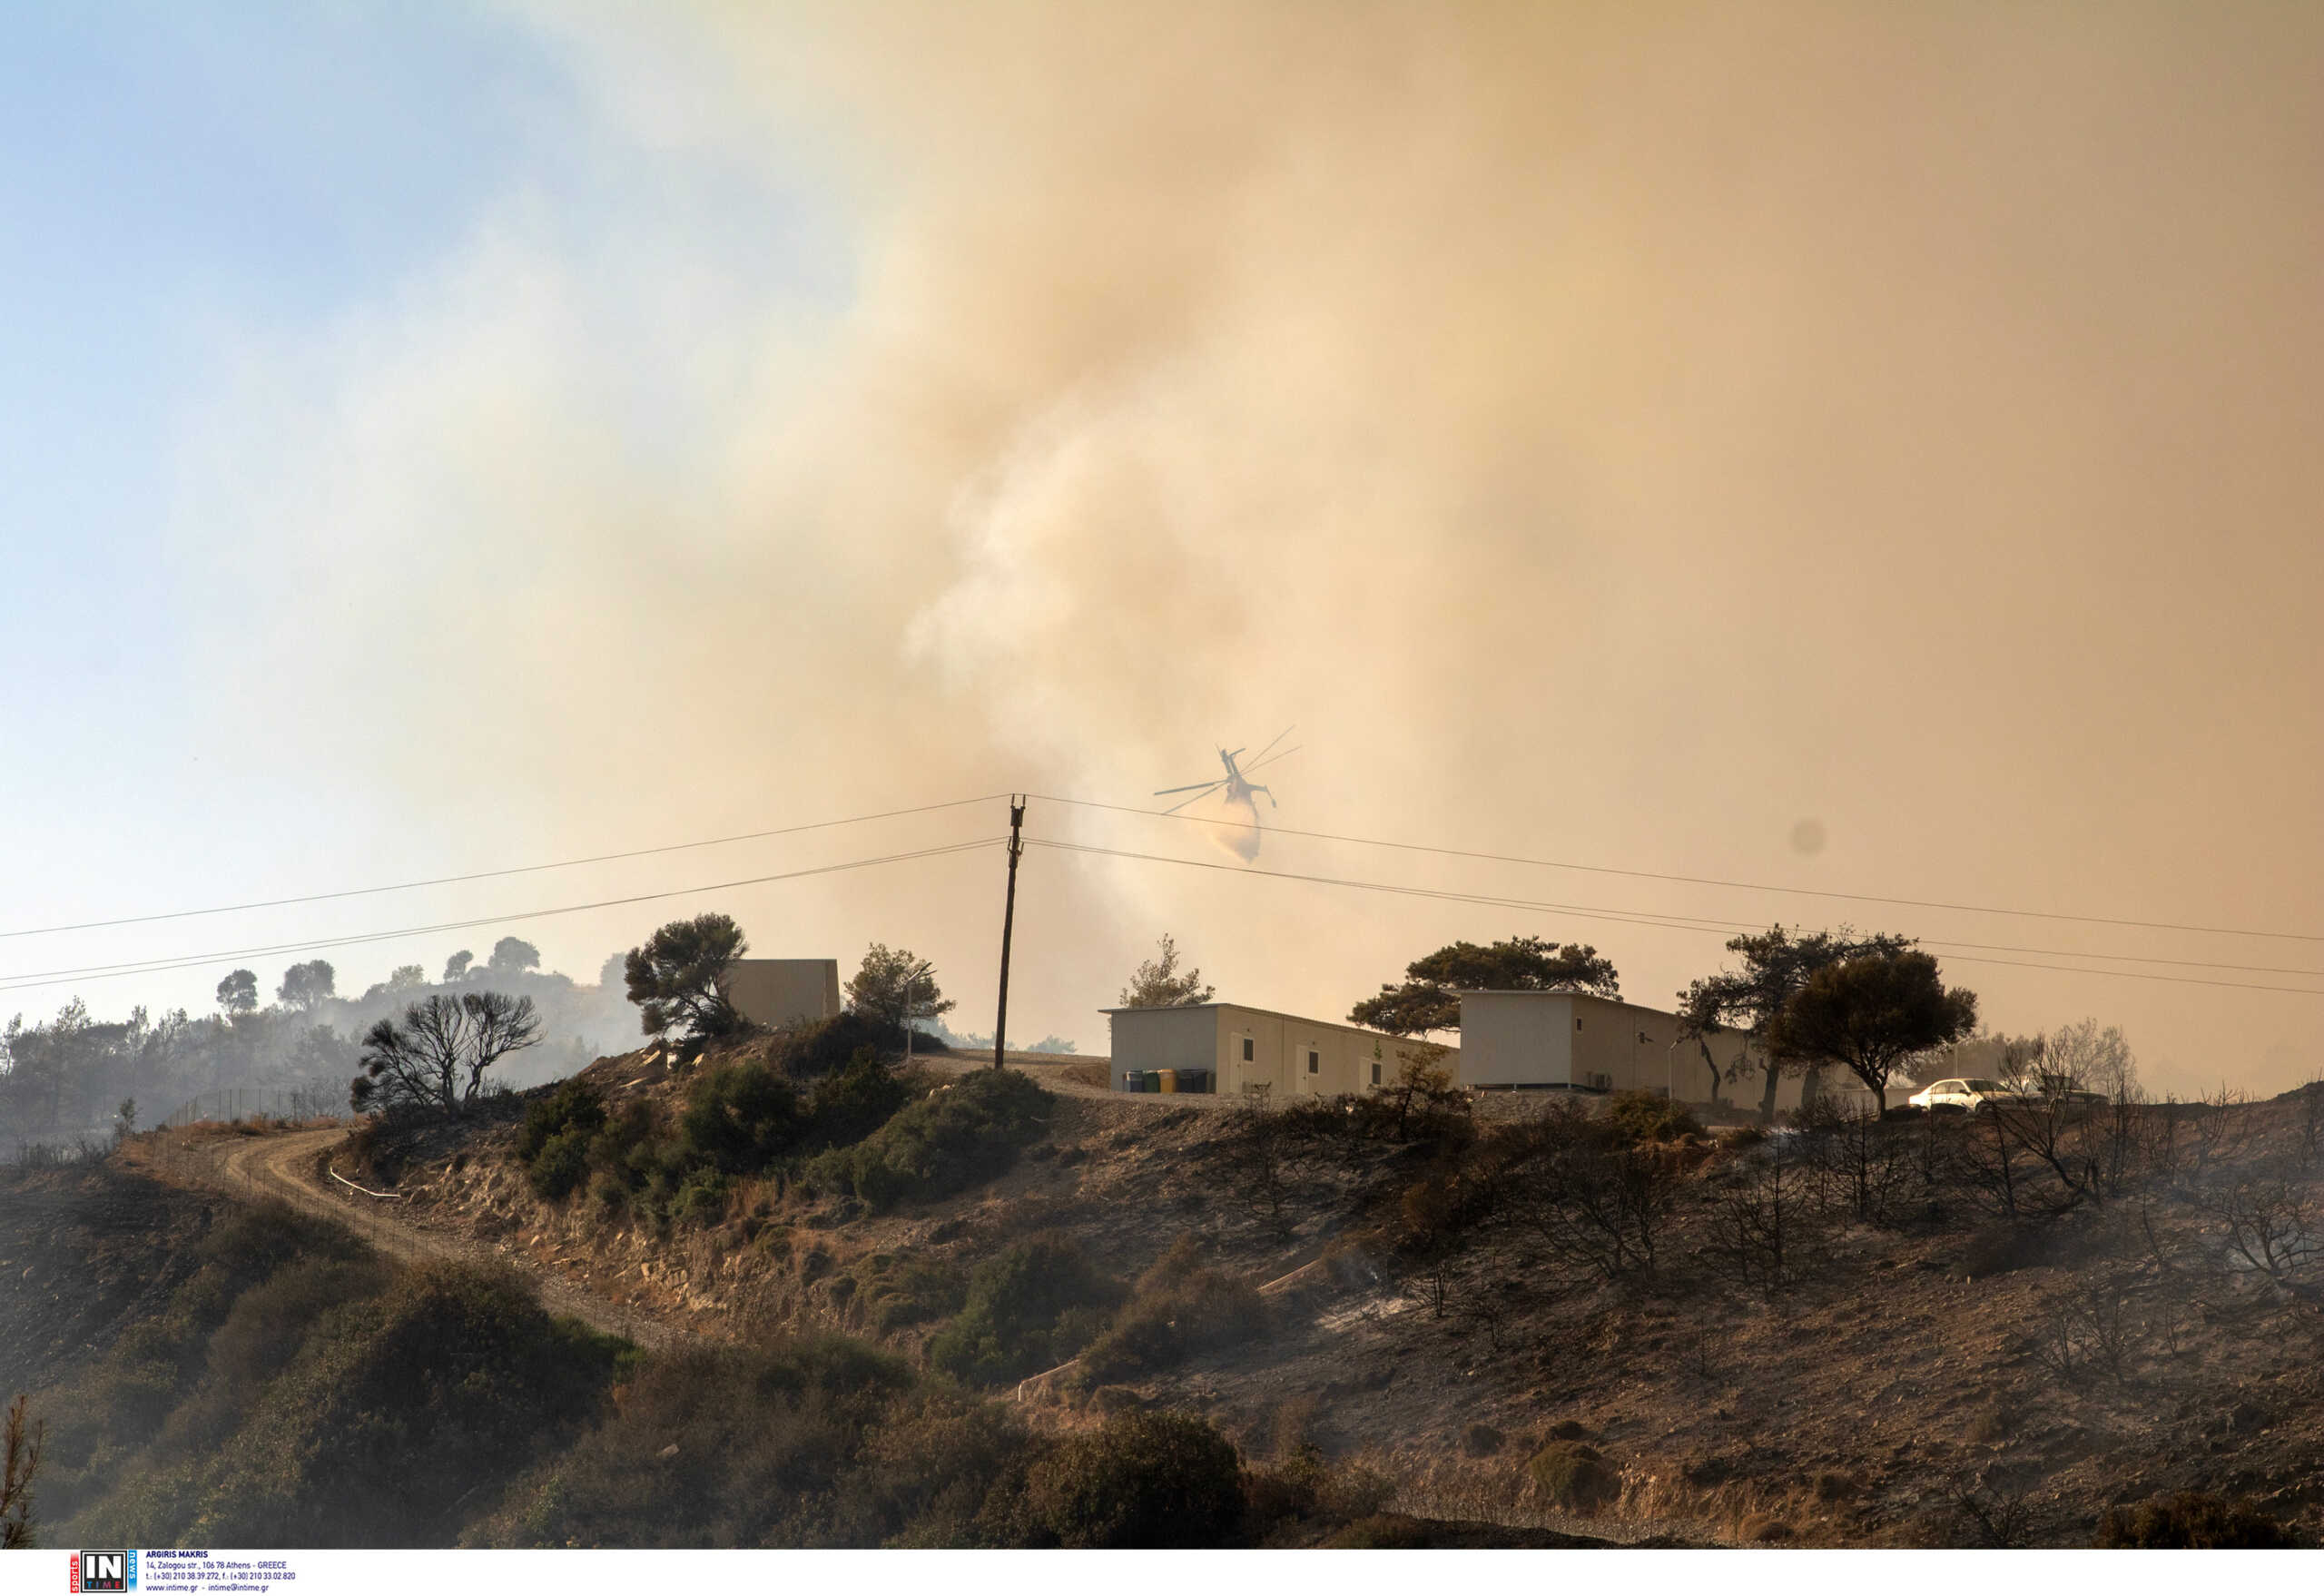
x=1968 y=1094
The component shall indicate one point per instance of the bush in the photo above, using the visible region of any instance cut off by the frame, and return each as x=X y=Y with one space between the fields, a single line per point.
x=554 y=1143
x=1181 y=1308
x=1028 y=1309
x=1642 y=1117
x=1143 y=1480
x=345 y=1404
x=2192 y=1520
x=809 y=1050
x=1574 y=1476
x=400 y=1411
x=1481 y=1440
x=857 y=1099
x=740 y=1119
x=957 y=1137
x=912 y=1291
x=925 y=1472
x=734 y=1446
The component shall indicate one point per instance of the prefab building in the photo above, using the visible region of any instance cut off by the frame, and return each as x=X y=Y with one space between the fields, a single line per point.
x=1572 y=1042
x=779 y=992
x=1242 y=1046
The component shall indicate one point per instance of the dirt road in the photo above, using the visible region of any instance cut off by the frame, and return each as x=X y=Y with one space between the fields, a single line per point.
x=279 y=1165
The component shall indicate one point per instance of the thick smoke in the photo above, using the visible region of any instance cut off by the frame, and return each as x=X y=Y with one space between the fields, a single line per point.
x=1612 y=432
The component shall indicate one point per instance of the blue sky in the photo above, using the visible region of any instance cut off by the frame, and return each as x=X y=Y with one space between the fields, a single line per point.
x=178 y=187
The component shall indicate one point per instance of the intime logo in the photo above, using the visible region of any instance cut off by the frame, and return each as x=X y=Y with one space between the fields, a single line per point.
x=104 y=1571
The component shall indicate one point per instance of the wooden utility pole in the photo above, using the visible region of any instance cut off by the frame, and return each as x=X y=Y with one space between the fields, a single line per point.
x=1007 y=924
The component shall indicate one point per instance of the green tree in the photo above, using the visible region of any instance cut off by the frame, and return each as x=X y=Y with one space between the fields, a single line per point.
x=1428 y=998
x=513 y=956
x=455 y=968
x=675 y=979
x=1777 y=963
x=894 y=986
x=237 y=994
x=306 y=986
x=435 y=1055
x=406 y=978
x=1160 y=984
x=1870 y=1013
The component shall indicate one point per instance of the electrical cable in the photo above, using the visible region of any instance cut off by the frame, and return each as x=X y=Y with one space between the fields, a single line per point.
x=1702 y=922
x=480 y=876
x=193 y=961
x=1699 y=881
x=1673 y=922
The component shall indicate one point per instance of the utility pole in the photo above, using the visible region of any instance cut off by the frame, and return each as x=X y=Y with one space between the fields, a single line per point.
x=912 y=991
x=1007 y=924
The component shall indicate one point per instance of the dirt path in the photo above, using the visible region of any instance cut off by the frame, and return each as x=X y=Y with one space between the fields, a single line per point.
x=279 y=1165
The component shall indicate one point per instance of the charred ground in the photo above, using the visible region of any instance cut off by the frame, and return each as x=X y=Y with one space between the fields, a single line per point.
x=1405 y=1316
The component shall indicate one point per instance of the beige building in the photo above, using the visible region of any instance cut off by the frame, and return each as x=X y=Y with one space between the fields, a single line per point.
x=1572 y=1042
x=1243 y=1047
x=782 y=991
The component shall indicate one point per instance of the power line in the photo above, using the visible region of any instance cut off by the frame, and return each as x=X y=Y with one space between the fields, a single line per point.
x=479 y=875
x=1703 y=922
x=1699 y=881
x=193 y=961
x=1584 y=911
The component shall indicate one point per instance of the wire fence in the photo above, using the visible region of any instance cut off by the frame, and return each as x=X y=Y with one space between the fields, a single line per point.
x=231 y=1103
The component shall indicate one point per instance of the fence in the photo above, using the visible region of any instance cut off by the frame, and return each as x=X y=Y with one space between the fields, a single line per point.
x=255 y=1102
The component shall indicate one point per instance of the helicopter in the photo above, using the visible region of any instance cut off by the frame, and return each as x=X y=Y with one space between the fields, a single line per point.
x=1237 y=781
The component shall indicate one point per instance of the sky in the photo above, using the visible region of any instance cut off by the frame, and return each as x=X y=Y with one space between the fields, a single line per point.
x=1849 y=449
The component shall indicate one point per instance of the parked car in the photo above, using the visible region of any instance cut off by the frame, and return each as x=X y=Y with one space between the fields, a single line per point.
x=1966 y=1095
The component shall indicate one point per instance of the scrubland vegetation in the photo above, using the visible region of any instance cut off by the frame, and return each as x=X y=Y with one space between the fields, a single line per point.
x=944 y=1306
x=298 y=1390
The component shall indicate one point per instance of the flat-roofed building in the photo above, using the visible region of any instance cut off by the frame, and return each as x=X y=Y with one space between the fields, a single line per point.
x=1572 y=1041
x=780 y=992
x=1242 y=1046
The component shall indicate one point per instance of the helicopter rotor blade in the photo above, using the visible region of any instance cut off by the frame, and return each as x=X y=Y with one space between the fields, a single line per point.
x=1196 y=786
x=1182 y=802
x=1273 y=757
x=1278 y=737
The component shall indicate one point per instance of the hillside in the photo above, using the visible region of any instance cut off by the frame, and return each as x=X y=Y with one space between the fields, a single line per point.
x=1907 y=1334
x=1924 y=1363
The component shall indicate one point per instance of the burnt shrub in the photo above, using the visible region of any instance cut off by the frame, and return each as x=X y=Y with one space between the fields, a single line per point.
x=1141 y=1479
x=1574 y=1475
x=1027 y=1309
x=2192 y=1520
x=1181 y=1308
x=807 y=1051
x=957 y=1137
x=1481 y=1440
x=818 y=1442
x=925 y=1471
x=1638 y=1118
x=398 y=1410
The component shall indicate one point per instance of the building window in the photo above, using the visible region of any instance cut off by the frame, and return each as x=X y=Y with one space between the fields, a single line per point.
x=1247 y=1050
x=1376 y=1072
x=1315 y=1062
x=1577 y=1022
